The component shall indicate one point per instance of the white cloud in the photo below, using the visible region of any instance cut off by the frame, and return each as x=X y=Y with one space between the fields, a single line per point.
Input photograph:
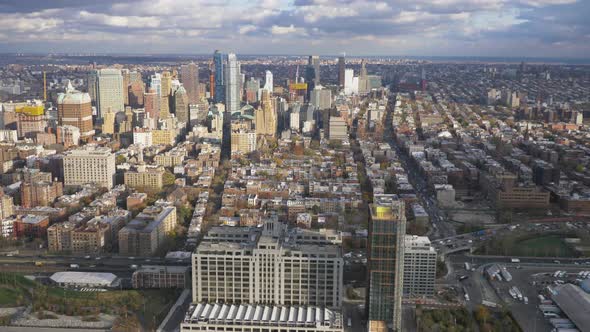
x=284 y=30
x=120 y=21
x=244 y=29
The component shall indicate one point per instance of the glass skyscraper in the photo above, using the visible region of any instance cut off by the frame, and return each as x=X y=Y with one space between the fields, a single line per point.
x=219 y=60
x=387 y=228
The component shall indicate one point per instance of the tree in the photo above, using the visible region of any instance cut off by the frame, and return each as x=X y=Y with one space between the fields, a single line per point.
x=120 y=159
x=168 y=179
x=482 y=314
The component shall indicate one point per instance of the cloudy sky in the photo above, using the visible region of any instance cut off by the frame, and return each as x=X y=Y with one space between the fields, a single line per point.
x=533 y=28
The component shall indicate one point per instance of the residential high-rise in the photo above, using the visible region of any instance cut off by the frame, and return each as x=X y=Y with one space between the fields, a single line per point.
x=349 y=82
x=74 y=108
x=387 y=228
x=419 y=266
x=38 y=189
x=341 y=69
x=143 y=235
x=252 y=90
x=6 y=207
x=136 y=91
x=219 y=60
x=181 y=101
x=268 y=81
x=267 y=265
x=145 y=178
x=126 y=82
x=189 y=77
x=89 y=164
x=108 y=122
x=233 y=79
x=109 y=91
x=151 y=103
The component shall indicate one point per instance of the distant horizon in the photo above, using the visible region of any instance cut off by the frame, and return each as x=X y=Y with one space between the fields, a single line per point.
x=490 y=58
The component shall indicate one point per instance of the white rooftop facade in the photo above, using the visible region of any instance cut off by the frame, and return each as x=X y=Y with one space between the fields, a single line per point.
x=88 y=279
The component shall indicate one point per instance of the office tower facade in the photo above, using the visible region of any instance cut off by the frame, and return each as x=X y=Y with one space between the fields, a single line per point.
x=74 y=108
x=266 y=117
x=165 y=90
x=363 y=80
x=259 y=265
x=233 y=79
x=337 y=128
x=109 y=91
x=419 y=267
x=349 y=83
x=387 y=227
x=268 y=81
x=92 y=79
x=126 y=82
x=181 y=101
x=314 y=61
x=219 y=60
x=189 y=77
x=341 y=69
x=321 y=98
x=89 y=164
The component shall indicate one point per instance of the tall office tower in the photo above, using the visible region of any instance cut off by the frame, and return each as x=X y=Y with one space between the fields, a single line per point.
x=109 y=91
x=419 y=266
x=89 y=164
x=268 y=82
x=219 y=60
x=181 y=105
x=92 y=84
x=74 y=108
x=294 y=121
x=266 y=117
x=363 y=80
x=156 y=83
x=126 y=82
x=166 y=81
x=189 y=77
x=310 y=80
x=321 y=98
x=165 y=90
x=232 y=84
x=108 y=122
x=314 y=61
x=151 y=103
x=136 y=91
x=349 y=82
x=341 y=68
x=387 y=228
x=267 y=265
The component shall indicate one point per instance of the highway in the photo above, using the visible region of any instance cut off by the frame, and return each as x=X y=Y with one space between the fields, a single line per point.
x=88 y=263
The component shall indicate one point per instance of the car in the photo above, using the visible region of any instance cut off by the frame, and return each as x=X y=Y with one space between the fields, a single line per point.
x=556 y=262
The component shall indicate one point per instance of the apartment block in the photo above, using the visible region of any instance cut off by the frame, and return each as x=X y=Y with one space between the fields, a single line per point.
x=419 y=267
x=143 y=235
x=89 y=164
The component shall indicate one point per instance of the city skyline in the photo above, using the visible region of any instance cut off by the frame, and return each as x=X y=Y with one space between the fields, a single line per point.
x=528 y=28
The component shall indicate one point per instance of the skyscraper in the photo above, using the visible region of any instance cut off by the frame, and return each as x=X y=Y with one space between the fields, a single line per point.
x=314 y=61
x=75 y=108
x=109 y=91
x=181 y=105
x=232 y=84
x=151 y=102
x=165 y=91
x=126 y=83
x=189 y=77
x=265 y=116
x=268 y=82
x=310 y=80
x=219 y=62
x=387 y=228
x=156 y=83
x=349 y=82
x=341 y=68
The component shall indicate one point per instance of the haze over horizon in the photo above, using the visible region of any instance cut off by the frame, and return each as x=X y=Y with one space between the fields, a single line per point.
x=495 y=28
